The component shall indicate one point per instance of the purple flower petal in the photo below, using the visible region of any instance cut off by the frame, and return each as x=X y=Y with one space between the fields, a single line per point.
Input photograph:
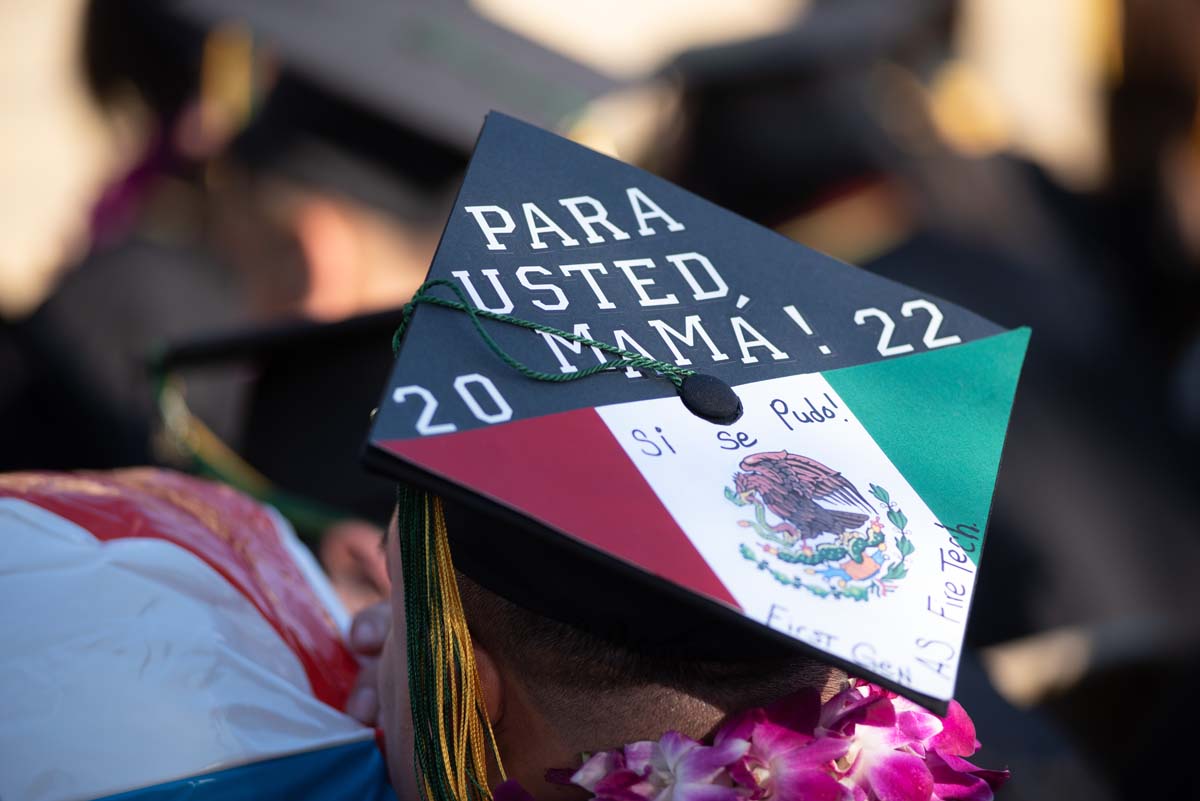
x=641 y=792
x=596 y=768
x=625 y=785
x=953 y=762
x=672 y=747
x=824 y=750
x=878 y=731
x=771 y=740
x=900 y=777
x=702 y=792
x=880 y=712
x=917 y=725
x=639 y=754
x=962 y=781
x=958 y=733
x=800 y=772
x=703 y=763
x=995 y=778
x=860 y=703
x=836 y=712
x=809 y=785
x=740 y=726
x=962 y=787
x=742 y=774
x=617 y=780
x=944 y=764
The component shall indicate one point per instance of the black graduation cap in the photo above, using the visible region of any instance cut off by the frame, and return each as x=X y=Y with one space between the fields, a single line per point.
x=323 y=141
x=841 y=513
x=830 y=36
x=775 y=124
x=381 y=99
x=311 y=392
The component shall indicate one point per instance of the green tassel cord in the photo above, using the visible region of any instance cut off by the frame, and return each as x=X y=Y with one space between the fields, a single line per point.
x=452 y=734
x=624 y=358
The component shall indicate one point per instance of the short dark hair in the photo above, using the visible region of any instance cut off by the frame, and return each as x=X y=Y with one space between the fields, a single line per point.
x=560 y=663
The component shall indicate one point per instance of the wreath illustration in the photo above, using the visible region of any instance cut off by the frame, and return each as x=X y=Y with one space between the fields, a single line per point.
x=842 y=553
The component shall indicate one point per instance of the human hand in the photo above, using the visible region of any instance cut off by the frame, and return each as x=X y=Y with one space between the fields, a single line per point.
x=352 y=554
x=367 y=635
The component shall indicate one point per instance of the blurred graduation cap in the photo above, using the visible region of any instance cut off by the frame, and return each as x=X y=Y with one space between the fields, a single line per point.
x=773 y=125
x=652 y=419
x=138 y=43
x=311 y=391
x=829 y=37
x=381 y=100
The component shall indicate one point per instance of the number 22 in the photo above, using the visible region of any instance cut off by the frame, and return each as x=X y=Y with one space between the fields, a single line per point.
x=930 y=338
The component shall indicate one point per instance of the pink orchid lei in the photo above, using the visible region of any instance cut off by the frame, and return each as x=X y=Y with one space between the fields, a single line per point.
x=864 y=744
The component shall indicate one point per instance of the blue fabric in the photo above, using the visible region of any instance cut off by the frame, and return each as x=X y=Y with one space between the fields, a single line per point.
x=353 y=772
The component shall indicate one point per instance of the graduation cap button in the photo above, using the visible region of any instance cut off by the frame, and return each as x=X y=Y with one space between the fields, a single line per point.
x=711 y=398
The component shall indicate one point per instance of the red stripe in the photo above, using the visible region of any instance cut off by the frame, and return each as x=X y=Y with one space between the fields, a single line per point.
x=590 y=489
x=228 y=531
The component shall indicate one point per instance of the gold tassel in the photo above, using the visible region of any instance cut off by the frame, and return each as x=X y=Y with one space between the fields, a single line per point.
x=452 y=711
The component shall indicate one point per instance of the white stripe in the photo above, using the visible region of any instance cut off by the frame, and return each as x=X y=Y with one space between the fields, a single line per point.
x=132 y=663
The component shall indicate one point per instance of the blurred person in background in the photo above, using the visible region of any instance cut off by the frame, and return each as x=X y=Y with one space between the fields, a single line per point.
x=77 y=393
x=1145 y=221
x=328 y=212
x=328 y=207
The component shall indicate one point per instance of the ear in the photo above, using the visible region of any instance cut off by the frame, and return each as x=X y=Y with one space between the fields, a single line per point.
x=332 y=258
x=491 y=683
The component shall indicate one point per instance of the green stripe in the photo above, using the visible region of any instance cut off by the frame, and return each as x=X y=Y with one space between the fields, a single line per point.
x=941 y=417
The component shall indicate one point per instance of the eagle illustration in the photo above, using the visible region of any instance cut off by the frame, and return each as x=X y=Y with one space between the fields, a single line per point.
x=790 y=486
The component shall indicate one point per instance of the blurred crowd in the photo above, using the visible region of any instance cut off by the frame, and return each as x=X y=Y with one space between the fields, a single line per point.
x=213 y=211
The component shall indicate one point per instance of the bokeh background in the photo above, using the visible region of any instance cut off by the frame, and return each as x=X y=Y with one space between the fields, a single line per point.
x=210 y=212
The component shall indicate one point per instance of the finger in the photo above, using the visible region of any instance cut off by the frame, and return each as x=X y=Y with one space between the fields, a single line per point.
x=338 y=539
x=356 y=594
x=370 y=629
x=373 y=564
x=363 y=704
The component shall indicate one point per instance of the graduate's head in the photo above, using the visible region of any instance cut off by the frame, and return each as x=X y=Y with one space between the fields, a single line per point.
x=554 y=690
x=328 y=208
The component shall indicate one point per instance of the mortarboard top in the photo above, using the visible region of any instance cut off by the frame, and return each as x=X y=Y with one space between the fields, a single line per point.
x=750 y=142
x=312 y=389
x=319 y=140
x=831 y=36
x=138 y=42
x=418 y=75
x=842 y=515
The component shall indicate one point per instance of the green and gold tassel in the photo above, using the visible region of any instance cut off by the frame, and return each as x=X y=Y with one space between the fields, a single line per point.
x=452 y=733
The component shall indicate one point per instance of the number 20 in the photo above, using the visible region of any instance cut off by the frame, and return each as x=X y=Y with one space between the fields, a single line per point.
x=462 y=384
x=930 y=339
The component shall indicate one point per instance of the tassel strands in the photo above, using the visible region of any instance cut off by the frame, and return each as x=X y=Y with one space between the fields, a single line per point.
x=452 y=734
